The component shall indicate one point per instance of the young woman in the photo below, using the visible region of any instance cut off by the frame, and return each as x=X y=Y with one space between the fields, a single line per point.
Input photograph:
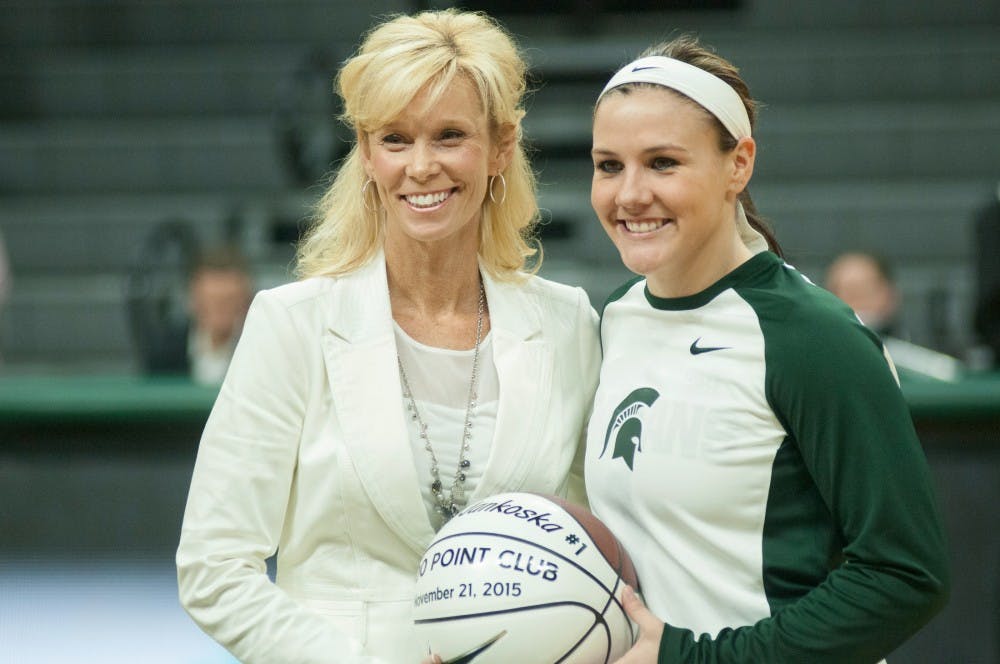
x=749 y=444
x=417 y=366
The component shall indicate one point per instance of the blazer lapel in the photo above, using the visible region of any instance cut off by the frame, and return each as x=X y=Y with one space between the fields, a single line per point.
x=524 y=363
x=360 y=352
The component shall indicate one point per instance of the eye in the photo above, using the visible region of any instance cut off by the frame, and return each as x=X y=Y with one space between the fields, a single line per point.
x=452 y=135
x=662 y=163
x=392 y=140
x=608 y=166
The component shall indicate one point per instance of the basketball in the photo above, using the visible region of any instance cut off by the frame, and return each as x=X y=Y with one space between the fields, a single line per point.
x=522 y=577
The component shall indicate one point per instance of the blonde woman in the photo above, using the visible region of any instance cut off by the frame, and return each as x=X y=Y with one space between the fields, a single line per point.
x=419 y=364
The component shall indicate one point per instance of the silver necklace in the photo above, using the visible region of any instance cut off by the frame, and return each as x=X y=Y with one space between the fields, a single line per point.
x=448 y=505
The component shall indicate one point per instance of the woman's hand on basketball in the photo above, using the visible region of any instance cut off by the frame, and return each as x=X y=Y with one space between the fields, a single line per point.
x=647 y=647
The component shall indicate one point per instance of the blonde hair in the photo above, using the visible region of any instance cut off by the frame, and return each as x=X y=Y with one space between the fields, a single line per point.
x=398 y=59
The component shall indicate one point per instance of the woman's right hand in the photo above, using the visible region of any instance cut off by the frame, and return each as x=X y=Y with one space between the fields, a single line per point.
x=647 y=647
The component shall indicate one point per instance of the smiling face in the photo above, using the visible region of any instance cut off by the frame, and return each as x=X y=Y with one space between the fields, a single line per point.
x=664 y=191
x=431 y=166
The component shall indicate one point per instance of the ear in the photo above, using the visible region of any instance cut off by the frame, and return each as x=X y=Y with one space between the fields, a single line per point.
x=742 y=156
x=502 y=150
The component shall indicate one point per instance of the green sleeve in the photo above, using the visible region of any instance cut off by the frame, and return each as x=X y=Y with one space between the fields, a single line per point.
x=831 y=387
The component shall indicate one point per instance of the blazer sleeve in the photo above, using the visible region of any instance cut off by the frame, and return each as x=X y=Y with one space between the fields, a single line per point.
x=588 y=358
x=238 y=498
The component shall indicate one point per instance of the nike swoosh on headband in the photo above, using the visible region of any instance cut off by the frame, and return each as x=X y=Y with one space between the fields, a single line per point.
x=707 y=90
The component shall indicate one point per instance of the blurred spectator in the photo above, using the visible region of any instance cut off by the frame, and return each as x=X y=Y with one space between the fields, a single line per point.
x=865 y=282
x=987 y=310
x=219 y=294
x=192 y=330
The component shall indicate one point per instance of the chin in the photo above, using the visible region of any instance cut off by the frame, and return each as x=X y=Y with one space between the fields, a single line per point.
x=636 y=266
x=639 y=262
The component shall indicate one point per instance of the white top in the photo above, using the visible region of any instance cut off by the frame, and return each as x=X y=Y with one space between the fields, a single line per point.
x=439 y=379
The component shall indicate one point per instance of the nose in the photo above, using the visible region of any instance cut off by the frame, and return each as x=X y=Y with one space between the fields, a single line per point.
x=423 y=162
x=634 y=193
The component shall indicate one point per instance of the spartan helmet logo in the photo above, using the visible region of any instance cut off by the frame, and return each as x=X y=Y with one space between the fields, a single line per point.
x=626 y=425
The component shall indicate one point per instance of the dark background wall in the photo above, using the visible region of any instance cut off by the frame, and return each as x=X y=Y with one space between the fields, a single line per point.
x=881 y=130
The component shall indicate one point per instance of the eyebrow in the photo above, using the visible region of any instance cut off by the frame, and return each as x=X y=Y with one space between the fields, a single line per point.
x=452 y=120
x=666 y=147
x=440 y=122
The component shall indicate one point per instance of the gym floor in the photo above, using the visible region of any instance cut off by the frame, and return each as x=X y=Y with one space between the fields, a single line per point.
x=107 y=612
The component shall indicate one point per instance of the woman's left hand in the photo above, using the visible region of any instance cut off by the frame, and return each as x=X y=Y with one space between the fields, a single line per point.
x=647 y=647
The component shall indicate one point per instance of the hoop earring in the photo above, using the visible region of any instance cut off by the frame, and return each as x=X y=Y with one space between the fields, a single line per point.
x=503 y=182
x=364 y=195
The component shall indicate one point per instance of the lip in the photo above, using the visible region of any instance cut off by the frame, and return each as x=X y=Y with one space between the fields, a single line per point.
x=425 y=201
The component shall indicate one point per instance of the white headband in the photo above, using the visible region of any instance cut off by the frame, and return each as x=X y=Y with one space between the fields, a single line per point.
x=708 y=90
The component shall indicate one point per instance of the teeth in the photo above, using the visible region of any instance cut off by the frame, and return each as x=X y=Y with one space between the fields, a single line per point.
x=643 y=226
x=428 y=200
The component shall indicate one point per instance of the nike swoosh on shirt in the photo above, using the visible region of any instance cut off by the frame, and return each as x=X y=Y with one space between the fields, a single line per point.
x=698 y=350
x=476 y=652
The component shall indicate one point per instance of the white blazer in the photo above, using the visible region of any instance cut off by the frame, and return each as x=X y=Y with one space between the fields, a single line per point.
x=306 y=452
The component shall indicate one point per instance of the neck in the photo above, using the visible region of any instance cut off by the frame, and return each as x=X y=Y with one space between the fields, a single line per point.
x=435 y=299
x=427 y=281
x=717 y=258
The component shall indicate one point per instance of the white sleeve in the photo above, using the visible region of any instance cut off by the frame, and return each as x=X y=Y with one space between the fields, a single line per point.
x=238 y=499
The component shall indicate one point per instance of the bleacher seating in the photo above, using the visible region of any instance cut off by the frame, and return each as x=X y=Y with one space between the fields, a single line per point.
x=880 y=129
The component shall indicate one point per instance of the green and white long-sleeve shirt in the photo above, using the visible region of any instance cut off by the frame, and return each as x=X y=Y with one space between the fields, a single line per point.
x=752 y=451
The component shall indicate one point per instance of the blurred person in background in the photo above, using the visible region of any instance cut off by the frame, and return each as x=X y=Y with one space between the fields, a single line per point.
x=220 y=289
x=418 y=365
x=986 y=318
x=865 y=282
x=193 y=330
